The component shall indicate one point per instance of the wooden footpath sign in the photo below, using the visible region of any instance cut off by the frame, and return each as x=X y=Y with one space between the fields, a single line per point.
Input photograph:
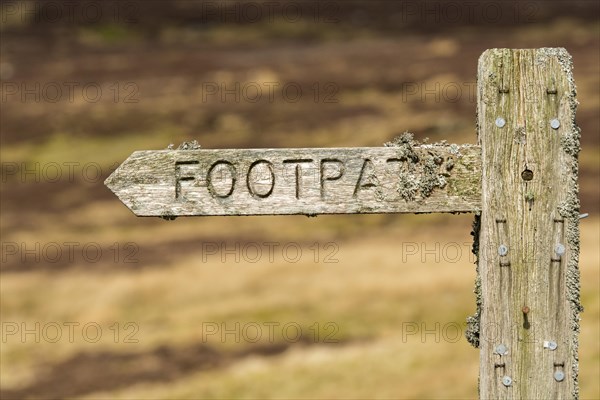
x=520 y=180
x=404 y=178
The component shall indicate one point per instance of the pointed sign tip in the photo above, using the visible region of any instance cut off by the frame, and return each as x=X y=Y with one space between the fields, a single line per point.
x=108 y=181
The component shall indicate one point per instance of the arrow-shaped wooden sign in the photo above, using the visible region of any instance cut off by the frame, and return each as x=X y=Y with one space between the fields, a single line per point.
x=405 y=178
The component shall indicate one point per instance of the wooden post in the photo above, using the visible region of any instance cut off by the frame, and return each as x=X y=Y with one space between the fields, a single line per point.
x=529 y=228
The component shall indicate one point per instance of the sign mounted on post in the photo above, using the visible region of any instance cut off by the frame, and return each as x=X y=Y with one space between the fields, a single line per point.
x=520 y=180
x=406 y=178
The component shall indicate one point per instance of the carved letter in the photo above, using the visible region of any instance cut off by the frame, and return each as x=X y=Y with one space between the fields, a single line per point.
x=250 y=182
x=209 y=178
x=335 y=177
x=179 y=178
x=367 y=170
x=298 y=172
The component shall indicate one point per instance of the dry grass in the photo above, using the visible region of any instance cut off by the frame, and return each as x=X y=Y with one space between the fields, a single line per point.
x=371 y=295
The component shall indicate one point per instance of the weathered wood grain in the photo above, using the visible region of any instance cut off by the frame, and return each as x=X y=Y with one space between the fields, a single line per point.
x=400 y=179
x=530 y=295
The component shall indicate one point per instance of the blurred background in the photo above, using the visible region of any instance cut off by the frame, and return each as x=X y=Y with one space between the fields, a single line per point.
x=97 y=303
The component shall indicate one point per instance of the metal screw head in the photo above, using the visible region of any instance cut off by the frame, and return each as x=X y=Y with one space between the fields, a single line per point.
x=506 y=380
x=500 y=122
x=549 y=344
x=501 y=349
x=502 y=250
x=559 y=376
x=560 y=249
x=555 y=123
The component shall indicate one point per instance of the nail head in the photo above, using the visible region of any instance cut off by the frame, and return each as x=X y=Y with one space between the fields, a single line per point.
x=560 y=249
x=549 y=344
x=501 y=349
x=502 y=250
x=506 y=380
x=555 y=123
x=559 y=376
x=500 y=122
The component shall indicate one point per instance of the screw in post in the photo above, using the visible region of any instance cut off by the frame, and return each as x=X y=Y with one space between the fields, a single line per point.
x=559 y=376
x=506 y=380
x=501 y=349
x=502 y=250
x=500 y=122
x=555 y=123
x=560 y=249
x=549 y=344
